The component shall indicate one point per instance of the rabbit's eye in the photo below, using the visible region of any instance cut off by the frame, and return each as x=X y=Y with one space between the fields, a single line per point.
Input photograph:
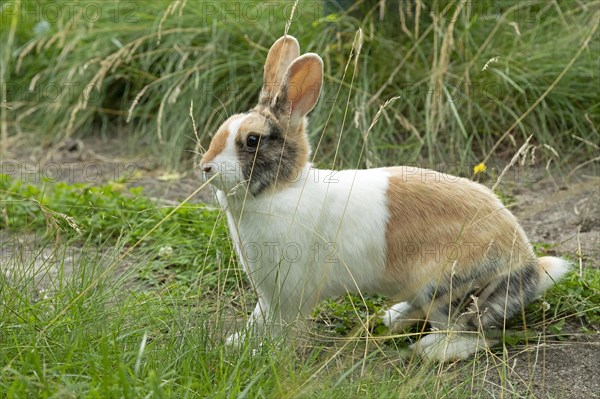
x=252 y=140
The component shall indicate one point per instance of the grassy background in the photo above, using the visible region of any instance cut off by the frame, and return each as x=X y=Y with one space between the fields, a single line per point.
x=101 y=298
x=133 y=69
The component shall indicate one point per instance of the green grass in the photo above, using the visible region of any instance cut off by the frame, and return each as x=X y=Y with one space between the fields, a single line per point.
x=136 y=68
x=192 y=244
x=107 y=293
x=153 y=326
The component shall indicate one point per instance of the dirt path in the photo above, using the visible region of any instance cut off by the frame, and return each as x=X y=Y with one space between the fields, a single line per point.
x=563 y=214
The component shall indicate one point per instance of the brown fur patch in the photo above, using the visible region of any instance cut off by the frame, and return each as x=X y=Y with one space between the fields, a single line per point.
x=280 y=56
x=254 y=123
x=442 y=227
x=219 y=140
x=304 y=85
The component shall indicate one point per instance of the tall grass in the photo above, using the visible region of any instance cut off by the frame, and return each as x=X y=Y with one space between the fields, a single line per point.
x=465 y=73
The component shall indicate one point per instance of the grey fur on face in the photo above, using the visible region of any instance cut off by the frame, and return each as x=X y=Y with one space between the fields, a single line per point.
x=273 y=162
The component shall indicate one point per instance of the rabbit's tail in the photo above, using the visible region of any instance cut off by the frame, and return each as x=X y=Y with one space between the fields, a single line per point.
x=507 y=295
x=551 y=269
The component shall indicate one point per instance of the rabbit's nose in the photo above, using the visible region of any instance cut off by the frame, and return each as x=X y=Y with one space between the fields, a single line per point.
x=208 y=168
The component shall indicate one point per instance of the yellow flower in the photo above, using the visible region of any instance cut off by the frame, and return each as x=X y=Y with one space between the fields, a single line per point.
x=479 y=168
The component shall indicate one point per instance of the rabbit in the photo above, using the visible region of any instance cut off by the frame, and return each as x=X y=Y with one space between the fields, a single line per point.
x=444 y=247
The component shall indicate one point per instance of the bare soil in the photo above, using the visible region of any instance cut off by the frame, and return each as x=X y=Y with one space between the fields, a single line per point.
x=558 y=207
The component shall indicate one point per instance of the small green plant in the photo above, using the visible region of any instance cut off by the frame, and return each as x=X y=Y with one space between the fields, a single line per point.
x=575 y=300
x=507 y=199
x=342 y=315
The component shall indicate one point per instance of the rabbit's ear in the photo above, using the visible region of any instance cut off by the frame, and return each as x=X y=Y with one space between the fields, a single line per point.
x=301 y=88
x=281 y=54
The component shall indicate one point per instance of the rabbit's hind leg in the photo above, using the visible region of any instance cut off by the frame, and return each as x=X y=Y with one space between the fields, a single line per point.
x=451 y=337
x=457 y=322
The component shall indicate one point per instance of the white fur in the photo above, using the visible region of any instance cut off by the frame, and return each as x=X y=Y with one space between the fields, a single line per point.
x=553 y=269
x=322 y=236
x=449 y=345
x=400 y=316
x=228 y=166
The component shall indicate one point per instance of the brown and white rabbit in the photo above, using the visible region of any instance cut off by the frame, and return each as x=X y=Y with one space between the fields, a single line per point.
x=445 y=246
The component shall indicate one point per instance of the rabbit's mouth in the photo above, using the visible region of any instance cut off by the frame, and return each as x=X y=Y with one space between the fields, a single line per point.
x=223 y=178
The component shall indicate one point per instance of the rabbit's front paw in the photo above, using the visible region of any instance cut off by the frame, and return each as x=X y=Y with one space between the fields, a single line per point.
x=400 y=316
